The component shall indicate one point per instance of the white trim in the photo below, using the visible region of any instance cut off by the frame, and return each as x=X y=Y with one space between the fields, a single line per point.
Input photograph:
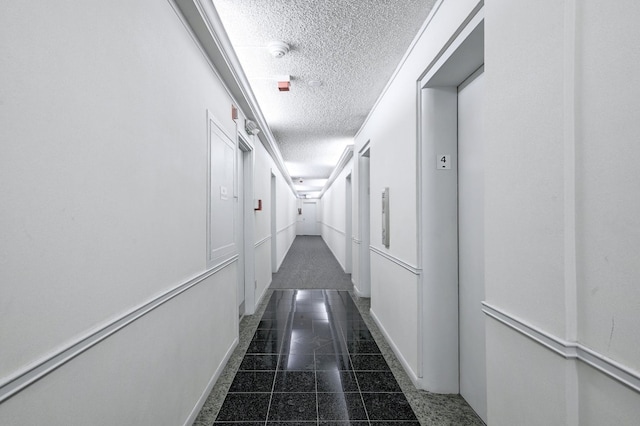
x=572 y=386
x=435 y=349
x=346 y=156
x=262 y=241
x=28 y=376
x=333 y=253
x=567 y=350
x=333 y=228
x=286 y=227
x=407 y=368
x=206 y=26
x=413 y=269
x=218 y=254
x=426 y=23
x=205 y=394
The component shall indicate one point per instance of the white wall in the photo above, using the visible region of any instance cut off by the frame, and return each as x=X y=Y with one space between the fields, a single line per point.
x=391 y=130
x=562 y=212
x=561 y=206
x=332 y=215
x=286 y=216
x=104 y=188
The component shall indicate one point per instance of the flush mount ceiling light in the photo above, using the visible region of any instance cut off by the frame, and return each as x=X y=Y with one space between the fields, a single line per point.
x=278 y=49
x=314 y=83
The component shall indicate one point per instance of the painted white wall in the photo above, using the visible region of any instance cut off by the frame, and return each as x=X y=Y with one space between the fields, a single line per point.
x=104 y=189
x=286 y=216
x=608 y=181
x=332 y=218
x=391 y=130
x=561 y=208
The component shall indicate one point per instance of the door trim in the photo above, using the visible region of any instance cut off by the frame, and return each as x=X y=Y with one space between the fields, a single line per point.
x=437 y=93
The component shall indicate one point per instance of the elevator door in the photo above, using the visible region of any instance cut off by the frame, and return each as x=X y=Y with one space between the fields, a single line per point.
x=471 y=243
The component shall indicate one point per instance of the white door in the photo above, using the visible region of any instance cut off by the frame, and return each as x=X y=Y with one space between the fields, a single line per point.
x=364 y=284
x=240 y=233
x=471 y=243
x=309 y=219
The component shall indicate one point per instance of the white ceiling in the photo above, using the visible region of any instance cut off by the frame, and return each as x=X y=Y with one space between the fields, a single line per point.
x=351 y=46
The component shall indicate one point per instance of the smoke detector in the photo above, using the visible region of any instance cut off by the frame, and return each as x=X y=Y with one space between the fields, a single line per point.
x=278 y=49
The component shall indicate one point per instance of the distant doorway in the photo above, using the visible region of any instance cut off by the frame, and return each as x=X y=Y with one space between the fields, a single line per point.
x=309 y=218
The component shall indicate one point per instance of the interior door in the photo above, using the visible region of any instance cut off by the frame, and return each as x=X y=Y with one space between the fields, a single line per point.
x=471 y=243
x=240 y=233
x=309 y=219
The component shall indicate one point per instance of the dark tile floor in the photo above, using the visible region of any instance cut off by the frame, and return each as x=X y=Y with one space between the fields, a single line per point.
x=312 y=360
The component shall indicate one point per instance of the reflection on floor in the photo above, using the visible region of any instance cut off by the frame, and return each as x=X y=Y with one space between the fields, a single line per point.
x=315 y=357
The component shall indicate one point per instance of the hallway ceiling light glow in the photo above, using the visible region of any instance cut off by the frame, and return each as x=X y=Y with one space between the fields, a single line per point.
x=350 y=49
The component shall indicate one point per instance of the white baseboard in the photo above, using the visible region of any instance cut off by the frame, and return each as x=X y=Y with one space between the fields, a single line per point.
x=359 y=293
x=216 y=375
x=407 y=368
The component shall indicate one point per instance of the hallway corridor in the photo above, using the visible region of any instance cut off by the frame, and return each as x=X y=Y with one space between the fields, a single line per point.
x=314 y=356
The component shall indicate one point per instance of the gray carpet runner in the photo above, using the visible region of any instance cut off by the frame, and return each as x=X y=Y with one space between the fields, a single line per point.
x=309 y=264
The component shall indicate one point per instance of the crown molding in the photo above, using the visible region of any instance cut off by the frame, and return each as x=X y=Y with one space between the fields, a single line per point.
x=204 y=21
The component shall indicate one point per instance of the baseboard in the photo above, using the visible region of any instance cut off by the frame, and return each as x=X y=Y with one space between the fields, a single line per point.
x=216 y=375
x=333 y=253
x=262 y=295
x=359 y=293
x=407 y=368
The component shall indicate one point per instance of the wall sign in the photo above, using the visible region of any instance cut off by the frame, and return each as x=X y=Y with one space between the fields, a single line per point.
x=443 y=162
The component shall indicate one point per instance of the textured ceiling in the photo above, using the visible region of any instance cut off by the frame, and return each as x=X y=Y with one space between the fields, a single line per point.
x=351 y=46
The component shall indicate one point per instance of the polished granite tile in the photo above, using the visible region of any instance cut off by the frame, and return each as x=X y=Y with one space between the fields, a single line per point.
x=334 y=369
x=343 y=423
x=264 y=347
x=341 y=406
x=377 y=381
x=253 y=381
x=388 y=406
x=369 y=362
x=297 y=362
x=293 y=406
x=295 y=381
x=336 y=381
x=259 y=362
x=244 y=407
x=339 y=361
x=362 y=347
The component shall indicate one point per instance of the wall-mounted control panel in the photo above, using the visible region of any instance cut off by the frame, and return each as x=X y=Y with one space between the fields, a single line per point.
x=385 y=217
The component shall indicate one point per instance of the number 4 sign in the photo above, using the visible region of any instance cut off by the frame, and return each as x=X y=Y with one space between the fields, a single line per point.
x=443 y=162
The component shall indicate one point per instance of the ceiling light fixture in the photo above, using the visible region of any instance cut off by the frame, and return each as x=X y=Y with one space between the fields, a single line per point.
x=278 y=49
x=315 y=83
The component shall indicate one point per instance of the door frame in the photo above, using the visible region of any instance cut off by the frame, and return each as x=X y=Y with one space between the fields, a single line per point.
x=274 y=225
x=437 y=95
x=348 y=249
x=363 y=288
x=246 y=219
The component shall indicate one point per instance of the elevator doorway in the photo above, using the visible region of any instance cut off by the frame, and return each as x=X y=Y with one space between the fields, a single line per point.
x=471 y=243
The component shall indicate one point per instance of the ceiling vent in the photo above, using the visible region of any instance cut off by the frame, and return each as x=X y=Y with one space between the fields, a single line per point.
x=278 y=49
